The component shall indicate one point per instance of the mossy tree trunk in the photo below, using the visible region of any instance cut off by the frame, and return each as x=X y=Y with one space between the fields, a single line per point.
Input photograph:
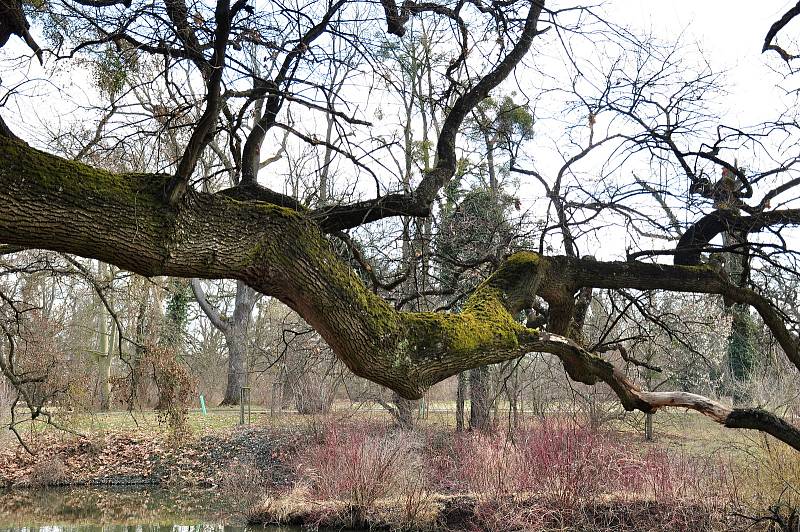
x=176 y=316
x=61 y=205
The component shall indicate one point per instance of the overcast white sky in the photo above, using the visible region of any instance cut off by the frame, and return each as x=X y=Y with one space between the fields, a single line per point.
x=731 y=33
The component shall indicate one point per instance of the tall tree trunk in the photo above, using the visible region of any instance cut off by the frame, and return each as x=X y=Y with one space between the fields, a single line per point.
x=511 y=385
x=461 y=395
x=405 y=407
x=479 y=398
x=176 y=315
x=235 y=330
x=405 y=411
x=287 y=392
x=105 y=346
x=479 y=385
x=104 y=362
x=235 y=341
x=143 y=332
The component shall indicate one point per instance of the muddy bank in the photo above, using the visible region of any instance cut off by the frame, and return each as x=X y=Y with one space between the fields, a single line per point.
x=438 y=512
x=131 y=459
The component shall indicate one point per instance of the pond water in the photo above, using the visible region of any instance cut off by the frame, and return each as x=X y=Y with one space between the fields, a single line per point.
x=120 y=510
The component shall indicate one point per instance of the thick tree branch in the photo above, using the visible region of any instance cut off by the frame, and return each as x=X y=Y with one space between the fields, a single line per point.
x=217 y=320
x=178 y=185
x=777 y=26
x=590 y=369
x=697 y=237
x=14 y=22
x=256 y=192
x=51 y=203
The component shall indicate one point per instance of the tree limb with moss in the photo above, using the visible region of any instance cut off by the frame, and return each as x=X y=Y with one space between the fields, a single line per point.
x=53 y=203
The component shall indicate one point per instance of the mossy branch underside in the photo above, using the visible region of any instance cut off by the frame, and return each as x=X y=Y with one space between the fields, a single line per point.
x=50 y=203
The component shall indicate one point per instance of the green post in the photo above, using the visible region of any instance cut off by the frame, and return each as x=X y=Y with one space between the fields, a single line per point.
x=203 y=405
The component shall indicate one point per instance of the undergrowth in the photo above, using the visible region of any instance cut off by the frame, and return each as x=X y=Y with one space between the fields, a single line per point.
x=552 y=475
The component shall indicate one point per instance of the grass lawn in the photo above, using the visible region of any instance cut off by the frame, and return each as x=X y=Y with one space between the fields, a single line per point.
x=688 y=431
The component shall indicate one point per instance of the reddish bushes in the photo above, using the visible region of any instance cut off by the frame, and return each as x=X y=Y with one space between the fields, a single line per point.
x=557 y=474
x=359 y=467
x=552 y=475
x=571 y=463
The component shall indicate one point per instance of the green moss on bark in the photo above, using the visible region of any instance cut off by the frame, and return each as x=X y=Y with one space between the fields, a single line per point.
x=286 y=255
x=58 y=175
x=483 y=326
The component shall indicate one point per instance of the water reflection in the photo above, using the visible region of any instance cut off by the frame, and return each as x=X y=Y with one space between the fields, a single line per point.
x=120 y=510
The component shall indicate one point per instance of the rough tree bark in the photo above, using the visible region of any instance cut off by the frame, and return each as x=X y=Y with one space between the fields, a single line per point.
x=56 y=204
x=479 y=391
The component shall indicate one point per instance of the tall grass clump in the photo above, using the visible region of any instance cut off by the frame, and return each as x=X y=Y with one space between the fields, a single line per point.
x=552 y=475
x=361 y=467
x=558 y=473
x=766 y=486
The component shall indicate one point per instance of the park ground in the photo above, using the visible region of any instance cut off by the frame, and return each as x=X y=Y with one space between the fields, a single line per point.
x=352 y=468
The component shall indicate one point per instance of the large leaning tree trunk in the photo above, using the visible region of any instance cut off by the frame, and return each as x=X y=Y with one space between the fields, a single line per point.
x=52 y=203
